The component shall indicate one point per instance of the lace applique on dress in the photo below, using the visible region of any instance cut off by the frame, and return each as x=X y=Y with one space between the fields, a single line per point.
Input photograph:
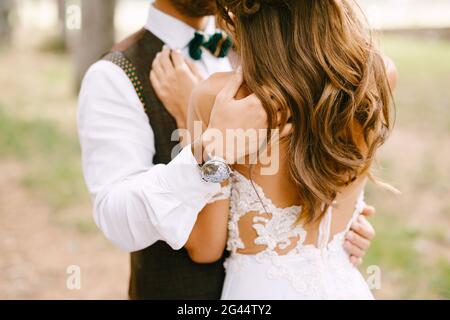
x=274 y=232
x=277 y=230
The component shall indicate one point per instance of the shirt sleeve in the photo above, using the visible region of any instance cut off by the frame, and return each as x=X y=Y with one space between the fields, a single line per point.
x=135 y=203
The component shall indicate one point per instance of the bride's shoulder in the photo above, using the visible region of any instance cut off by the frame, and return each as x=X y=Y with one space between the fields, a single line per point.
x=204 y=95
x=213 y=84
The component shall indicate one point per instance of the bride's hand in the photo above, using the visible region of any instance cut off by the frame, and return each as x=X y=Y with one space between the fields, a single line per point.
x=174 y=78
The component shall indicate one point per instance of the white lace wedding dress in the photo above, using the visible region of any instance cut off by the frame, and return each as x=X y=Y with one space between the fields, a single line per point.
x=306 y=272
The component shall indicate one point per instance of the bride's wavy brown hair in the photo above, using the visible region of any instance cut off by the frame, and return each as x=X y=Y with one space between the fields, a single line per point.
x=315 y=60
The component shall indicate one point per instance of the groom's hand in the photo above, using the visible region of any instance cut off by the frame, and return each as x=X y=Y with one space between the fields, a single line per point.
x=358 y=239
x=231 y=117
x=174 y=78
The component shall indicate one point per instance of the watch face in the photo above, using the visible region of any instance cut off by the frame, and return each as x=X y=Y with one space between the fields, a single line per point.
x=215 y=171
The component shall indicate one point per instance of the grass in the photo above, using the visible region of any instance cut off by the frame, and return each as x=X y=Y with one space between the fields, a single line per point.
x=412 y=229
x=393 y=251
x=422 y=96
x=50 y=156
x=441 y=281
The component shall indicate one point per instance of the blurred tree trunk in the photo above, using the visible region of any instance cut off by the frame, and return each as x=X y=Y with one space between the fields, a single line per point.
x=96 y=36
x=62 y=22
x=6 y=7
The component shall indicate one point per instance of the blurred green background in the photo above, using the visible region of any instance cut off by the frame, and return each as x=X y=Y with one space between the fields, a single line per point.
x=45 y=211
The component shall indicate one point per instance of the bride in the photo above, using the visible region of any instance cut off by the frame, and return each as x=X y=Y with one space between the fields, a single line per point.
x=317 y=71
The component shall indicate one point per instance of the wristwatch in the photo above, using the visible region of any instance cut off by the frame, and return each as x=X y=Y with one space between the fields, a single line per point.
x=215 y=170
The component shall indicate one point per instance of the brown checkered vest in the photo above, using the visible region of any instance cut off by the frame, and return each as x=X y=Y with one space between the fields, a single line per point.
x=159 y=272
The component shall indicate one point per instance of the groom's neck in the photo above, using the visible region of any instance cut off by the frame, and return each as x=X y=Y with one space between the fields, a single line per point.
x=198 y=23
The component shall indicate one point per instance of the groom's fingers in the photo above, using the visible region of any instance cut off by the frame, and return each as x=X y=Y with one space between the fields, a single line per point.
x=281 y=113
x=353 y=250
x=155 y=81
x=288 y=127
x=165 y=60
x=287 y=130
x=356 y=261
x=156 y=84
x=177 y=59
x=232 y=86
x=357 y=240
x=363 y=228
x=369 y=211
x=156 y=65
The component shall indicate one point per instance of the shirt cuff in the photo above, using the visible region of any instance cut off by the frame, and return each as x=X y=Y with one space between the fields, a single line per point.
x=184 y=178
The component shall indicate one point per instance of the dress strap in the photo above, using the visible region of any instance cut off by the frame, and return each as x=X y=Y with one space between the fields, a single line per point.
x=325 y=229
x=359 y=207
x=325 y=224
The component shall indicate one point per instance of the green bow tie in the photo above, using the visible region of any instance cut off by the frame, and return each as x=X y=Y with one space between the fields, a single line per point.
x=219 y=44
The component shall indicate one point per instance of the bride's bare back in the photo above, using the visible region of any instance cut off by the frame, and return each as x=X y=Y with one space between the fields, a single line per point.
x=278 y=188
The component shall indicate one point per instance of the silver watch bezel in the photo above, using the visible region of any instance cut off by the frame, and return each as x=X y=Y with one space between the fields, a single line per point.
x=215 y=170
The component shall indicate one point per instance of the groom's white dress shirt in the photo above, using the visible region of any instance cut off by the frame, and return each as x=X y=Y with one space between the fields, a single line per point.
x=136 y=203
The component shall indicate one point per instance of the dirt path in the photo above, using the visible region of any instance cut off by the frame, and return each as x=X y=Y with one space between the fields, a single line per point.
x=35 y=251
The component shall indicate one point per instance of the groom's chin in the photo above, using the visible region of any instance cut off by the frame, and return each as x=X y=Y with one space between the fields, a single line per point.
x=195 y=8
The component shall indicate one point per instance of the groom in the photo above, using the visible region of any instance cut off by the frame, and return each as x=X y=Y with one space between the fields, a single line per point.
x=144 y=201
